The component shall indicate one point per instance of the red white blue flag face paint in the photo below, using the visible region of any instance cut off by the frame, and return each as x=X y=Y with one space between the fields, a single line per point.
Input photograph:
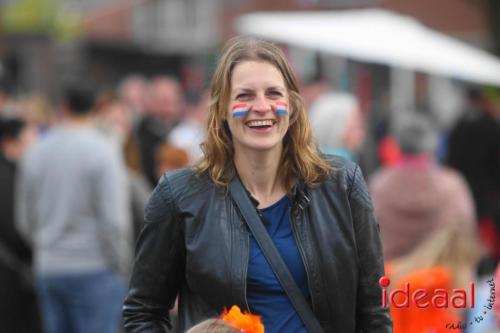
x=239 y=110
x=281 y=109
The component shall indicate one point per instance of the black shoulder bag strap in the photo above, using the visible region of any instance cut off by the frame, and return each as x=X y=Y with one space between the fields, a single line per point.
x=248 y=210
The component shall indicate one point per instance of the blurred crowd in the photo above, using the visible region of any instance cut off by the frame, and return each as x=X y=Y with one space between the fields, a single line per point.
x=76 y=173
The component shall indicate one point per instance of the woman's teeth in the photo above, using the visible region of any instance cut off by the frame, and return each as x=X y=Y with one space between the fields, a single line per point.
x=260 y=123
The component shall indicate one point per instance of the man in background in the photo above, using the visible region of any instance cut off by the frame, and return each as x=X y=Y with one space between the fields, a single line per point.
x=474 y=150
x=73 y=208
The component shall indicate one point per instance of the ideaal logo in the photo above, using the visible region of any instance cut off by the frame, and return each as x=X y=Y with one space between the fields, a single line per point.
x=438 y=298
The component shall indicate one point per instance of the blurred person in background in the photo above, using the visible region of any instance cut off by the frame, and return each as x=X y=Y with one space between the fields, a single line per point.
x=4 y=95
x=115 y=120
x=73 y=208
x=132 y=91
x=39 y=112
x=314 y=89
x=18 y=302
x=337 y=125
x=164 y=108
x=416 y=197
x=195 y=244
x=190 y=132
x=169 y=158
x=445 y=259
x=474 y=150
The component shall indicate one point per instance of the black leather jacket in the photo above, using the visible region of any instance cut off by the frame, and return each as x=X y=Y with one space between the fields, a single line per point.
x=195 y=244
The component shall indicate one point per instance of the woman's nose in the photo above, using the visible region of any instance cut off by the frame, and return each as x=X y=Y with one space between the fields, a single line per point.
x=261 y=104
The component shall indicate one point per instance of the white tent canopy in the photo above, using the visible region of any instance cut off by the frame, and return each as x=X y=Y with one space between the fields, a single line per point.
x=378 y=36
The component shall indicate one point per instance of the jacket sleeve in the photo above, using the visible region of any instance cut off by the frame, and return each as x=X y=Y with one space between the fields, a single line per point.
x=159 y=265
x=370 y=316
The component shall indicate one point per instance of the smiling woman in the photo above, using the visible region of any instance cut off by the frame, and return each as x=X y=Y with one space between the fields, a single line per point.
x=199 y=242
x=253 y=75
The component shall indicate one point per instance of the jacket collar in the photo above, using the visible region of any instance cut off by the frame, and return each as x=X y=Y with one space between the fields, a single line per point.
x=297 y=195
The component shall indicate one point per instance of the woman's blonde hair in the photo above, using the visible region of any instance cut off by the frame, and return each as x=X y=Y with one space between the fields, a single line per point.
x=300 y=158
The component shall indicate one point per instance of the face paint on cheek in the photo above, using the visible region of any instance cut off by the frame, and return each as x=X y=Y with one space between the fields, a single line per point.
x=239 y=110
x=282 y=109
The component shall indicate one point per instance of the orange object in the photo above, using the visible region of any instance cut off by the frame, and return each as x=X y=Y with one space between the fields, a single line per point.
x=247 y=322
x=430 y=319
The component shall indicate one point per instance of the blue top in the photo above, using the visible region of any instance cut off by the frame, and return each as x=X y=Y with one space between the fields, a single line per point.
x=265 y=295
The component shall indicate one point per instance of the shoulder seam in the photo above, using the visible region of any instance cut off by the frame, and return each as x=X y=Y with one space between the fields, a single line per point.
x=165 y=200
x=351 y=185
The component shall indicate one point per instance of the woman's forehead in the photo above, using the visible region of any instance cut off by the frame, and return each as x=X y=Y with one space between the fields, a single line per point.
x=248 y=74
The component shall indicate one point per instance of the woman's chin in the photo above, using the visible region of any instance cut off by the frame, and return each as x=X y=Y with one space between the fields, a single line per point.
x=262 y=146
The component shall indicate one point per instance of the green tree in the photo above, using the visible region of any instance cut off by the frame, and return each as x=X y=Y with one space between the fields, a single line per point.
x=38 y=17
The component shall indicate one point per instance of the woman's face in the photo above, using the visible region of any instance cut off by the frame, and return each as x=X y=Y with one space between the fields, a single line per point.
x=258 y=111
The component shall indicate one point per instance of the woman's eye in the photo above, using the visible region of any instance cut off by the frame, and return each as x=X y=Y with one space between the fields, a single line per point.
x=276 y=93
x=241 y=96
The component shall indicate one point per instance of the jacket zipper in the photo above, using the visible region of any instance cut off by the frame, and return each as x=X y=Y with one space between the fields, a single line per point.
x=246 y=256
x=292 y=210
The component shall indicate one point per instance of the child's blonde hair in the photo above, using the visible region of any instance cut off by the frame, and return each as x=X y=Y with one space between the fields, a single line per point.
x=231 y=321
x=213 y=326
